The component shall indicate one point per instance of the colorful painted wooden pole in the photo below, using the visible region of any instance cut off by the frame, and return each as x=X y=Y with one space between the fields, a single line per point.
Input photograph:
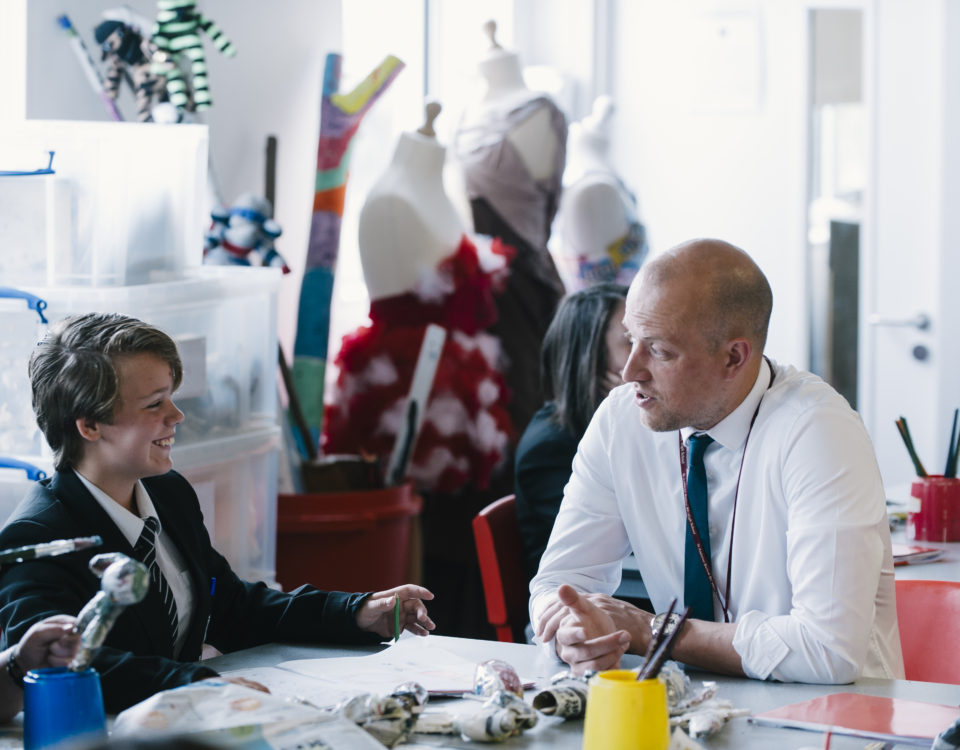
x=340 y=116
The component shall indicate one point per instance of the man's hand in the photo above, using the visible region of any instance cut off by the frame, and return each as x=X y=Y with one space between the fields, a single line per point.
x=376 y=613
x=626 y=617
x=586 y=636
x=49 y=643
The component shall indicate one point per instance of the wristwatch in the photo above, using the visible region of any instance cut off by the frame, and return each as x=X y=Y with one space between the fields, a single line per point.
x=663 y=623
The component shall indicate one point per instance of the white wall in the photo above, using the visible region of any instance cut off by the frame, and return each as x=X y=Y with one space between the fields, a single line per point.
x=735 y=173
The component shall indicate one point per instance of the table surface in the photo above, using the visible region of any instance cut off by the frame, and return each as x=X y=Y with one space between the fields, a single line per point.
x=556 y=734
x=947 y=568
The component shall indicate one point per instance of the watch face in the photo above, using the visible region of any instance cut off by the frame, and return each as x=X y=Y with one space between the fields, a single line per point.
x=662 y=623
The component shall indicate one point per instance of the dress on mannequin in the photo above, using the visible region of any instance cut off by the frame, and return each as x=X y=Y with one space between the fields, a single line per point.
x=511 y=147
x=420 y=268
x=599 y=235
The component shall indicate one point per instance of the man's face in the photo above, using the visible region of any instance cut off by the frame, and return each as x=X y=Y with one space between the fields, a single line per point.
x=137 y=444
x=678 y=379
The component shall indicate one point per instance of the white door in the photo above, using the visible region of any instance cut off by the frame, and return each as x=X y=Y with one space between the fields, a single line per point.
x=909 y=306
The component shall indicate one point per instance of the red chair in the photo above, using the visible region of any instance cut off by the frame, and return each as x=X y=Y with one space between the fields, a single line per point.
x=500 y=553
x=927 y=612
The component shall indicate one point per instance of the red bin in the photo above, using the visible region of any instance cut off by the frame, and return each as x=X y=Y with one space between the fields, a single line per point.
x=360 y=540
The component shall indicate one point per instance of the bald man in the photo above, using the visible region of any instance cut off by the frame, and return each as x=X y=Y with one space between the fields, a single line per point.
x=747 y=489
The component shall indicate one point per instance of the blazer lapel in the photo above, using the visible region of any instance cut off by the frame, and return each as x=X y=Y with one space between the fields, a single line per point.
x=148 y=616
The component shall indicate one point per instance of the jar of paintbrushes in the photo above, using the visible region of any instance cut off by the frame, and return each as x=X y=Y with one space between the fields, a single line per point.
x=933 y=514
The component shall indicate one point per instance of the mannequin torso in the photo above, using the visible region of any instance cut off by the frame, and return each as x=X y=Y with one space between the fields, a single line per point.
x=407 y=223
x=600 y=236
x=534 y=139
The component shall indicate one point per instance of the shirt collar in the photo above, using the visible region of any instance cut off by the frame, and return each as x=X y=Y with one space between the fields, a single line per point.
x=130 y=524
x=731 y=431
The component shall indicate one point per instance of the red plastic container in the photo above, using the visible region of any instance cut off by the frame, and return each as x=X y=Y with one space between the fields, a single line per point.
x=936 y=517
x=346 y=541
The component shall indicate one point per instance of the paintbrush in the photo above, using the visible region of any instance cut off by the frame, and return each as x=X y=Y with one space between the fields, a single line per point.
x=951 y=468
x=908 y=442
x=651 y=667
x=48 y=549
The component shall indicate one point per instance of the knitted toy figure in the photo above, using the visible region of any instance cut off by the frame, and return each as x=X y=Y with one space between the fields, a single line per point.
x=177 y=37
x=129 y=54
x=123 y=581
x=244 y=233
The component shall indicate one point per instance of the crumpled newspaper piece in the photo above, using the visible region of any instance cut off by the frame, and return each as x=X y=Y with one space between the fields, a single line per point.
x=695 y=706
x=493 y=675
x=708 y=717
x=391 y=718
x=565 y=697
x=502 y=715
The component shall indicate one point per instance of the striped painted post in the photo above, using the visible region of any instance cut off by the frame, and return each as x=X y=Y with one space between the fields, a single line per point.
x=340 y=116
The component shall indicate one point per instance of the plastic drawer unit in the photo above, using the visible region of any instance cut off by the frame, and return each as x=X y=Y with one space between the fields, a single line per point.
x=223 y=319
x=235 y=479
x=24 y=323
x=17 y=478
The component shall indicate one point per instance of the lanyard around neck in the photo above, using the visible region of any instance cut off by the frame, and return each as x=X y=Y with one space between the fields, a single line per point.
x=698 y=542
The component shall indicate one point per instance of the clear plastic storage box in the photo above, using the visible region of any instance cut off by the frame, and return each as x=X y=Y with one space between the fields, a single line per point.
x=127 y=203
x=225 y=323
x=17 y=480
x=236 y=481
x=23 y=325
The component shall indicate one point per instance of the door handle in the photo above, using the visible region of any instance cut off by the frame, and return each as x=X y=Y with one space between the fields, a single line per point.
x=921 y=321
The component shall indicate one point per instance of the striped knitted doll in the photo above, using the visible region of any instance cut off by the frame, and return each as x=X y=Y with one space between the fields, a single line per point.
x=177 y=37
x=128 y=55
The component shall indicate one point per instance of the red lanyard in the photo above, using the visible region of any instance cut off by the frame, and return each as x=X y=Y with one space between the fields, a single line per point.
x=698 y=542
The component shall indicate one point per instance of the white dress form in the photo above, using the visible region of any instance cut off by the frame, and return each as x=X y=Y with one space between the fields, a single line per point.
x=533 y=138
x=596 y=210
x=407 y=223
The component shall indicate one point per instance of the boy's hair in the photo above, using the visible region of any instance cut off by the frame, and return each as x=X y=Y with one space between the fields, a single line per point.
x=73 y=374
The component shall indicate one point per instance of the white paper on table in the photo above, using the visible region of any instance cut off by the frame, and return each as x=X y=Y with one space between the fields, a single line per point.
x=283 y=682
x=439 y=671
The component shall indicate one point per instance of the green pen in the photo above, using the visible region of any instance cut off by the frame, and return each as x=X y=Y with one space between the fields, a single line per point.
x=396 y=618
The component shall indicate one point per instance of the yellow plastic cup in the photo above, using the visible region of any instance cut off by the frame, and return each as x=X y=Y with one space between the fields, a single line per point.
x=623 y=714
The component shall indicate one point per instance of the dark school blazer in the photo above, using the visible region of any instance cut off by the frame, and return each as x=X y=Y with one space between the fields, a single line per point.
x=137 y=659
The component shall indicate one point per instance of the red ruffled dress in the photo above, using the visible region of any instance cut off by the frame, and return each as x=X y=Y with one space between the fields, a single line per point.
x=466 y=428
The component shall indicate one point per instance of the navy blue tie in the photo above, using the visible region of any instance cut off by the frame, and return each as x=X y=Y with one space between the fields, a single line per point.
x=697 y=593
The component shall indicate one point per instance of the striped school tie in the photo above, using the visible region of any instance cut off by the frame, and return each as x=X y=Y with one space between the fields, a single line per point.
x=145 y=550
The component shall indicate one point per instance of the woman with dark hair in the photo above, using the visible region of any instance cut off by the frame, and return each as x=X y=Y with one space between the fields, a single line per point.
x=583 y=351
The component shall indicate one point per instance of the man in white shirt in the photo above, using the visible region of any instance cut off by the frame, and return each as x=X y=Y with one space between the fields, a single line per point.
x=790 y=573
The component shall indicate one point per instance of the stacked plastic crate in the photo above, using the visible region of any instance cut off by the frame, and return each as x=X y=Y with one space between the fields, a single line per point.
x=118 y=228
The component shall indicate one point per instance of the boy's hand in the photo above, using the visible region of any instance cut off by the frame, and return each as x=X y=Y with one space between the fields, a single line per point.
x=376 y=614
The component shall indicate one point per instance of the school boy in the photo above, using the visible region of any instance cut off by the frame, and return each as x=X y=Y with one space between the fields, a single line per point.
x=102 y=393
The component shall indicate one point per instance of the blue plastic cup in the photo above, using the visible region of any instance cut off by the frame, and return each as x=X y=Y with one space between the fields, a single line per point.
x=61 y=705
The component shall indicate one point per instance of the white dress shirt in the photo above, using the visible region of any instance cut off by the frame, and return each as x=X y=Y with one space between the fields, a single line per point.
x=812 y=589
x=171 y=563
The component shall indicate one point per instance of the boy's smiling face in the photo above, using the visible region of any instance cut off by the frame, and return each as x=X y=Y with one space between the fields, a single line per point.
x=137 y=443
